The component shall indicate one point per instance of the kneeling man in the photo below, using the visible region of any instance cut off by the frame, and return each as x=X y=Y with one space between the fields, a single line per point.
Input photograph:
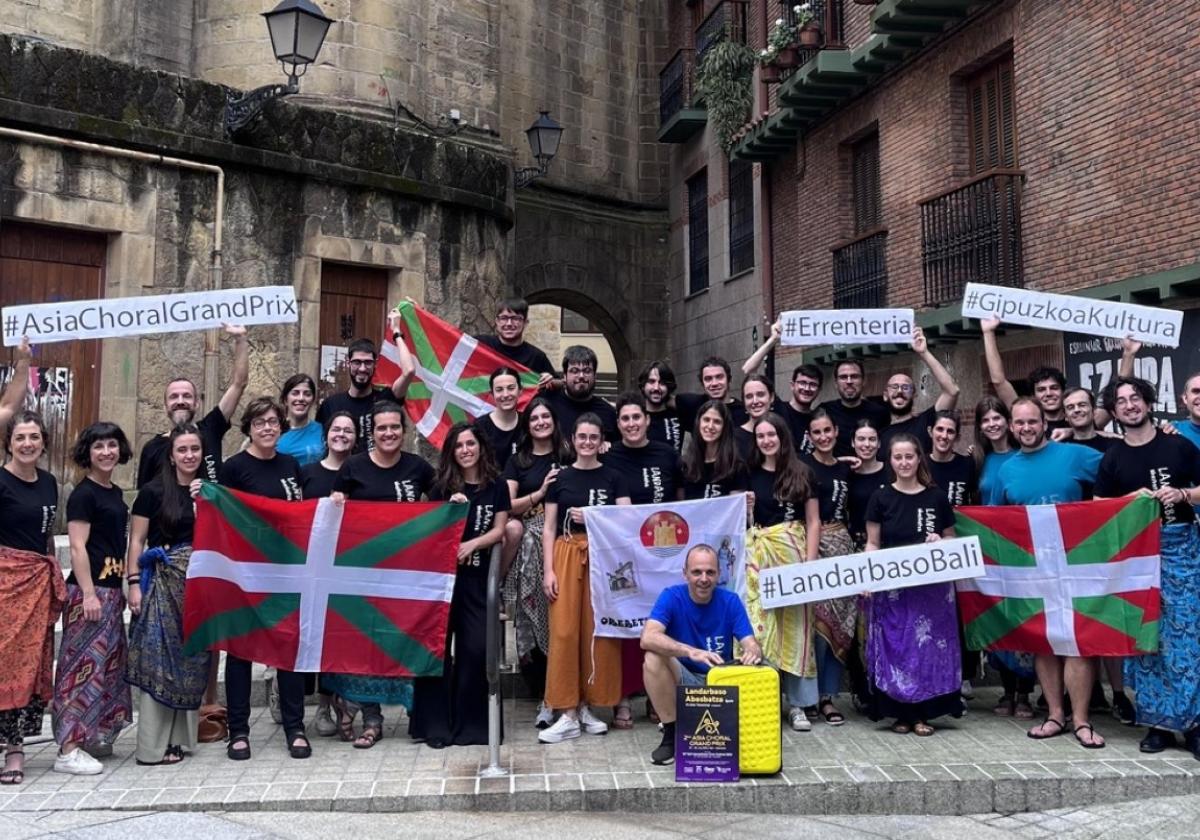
x=691 y=628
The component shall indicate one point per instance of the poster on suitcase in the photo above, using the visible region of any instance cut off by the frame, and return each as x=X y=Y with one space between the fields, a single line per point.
x=706 y=733
x=637 y=551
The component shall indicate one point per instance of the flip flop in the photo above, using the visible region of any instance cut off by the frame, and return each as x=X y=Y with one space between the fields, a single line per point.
x=16 y=775
x=1088 y=746
x=1062 y=727
x=371 y=735
x=623 y=717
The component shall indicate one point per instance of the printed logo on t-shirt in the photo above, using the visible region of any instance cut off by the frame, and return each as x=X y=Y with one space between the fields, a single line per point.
x=652 y=480
x=291 y=489
x=210 y=467
x=713 y=491
x=1161 y=477
x=715 y=644
x=956 y=492
x=406 y=491
x=113 y=566
x=841 y=490
x=926 y=520
x=597 y=497
x=48 y=512
x=789 y=512
x=673 y=431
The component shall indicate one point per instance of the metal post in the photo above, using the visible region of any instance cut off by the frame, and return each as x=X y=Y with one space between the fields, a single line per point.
x=494 y=640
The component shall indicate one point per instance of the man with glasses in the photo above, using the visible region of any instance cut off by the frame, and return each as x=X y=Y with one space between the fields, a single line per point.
x=850 y=407
x=576 y=397
x=362 y=395
x=181 y=403
x=900 y=396
x=509 y=339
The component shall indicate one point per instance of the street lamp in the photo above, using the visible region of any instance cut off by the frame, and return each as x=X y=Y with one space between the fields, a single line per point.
x=544 y=136
x=297 y=29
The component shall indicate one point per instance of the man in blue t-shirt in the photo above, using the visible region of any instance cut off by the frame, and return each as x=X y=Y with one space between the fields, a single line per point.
x=691 y=628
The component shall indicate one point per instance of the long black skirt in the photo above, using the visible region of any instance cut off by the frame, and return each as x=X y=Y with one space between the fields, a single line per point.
x=453 y=708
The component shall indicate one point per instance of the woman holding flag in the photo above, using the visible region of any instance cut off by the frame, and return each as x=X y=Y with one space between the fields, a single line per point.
x=160 y=547
x=452 y=708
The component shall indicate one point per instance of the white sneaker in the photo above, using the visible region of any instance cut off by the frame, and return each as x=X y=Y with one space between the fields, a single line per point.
x=77 y=763
x=273 y=699
x=545 y=716
x=564 y=729
x=326 y=725
x=592 y=725
x=967 y=690
x=799 y=720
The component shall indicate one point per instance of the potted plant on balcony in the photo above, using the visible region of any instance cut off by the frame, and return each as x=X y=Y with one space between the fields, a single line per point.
x=808 y=30
x=769 y=70
x=724 y=81
x=781 y=48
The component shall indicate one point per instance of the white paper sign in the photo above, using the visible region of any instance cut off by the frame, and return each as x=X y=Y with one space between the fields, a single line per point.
x=871 y=571
x=1070 y=313
x=120 y=317
x=813 y=327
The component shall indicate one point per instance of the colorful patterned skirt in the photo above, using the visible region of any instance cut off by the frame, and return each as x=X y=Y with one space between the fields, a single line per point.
x=837 y=618
x=92 y=701
x=785 y=634
x=523 y=589
x=32 y=593
x=156 y=662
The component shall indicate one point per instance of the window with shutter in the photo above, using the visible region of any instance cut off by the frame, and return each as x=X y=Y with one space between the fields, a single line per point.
x=697 y=195
x=864 y=176
x=992 y=125
x=741 y=216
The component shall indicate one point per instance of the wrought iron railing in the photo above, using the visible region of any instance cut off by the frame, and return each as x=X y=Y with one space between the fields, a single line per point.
x=829 y=15
x=675 y=85
x=972 y=233
x=726 y=20
x=860 y=272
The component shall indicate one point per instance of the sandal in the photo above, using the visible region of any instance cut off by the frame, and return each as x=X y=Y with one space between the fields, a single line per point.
x=1006 y=706
x=1062 y=727
x=1023 y=710
x=901 y=728
x=1088 y=745
x=623 y=717
x=345 y=719
x=238 y=753
x=923 y=729
x=173 y=755
x=303 y=749
x=370 y=736
x=651 y=715
x=831 y=714
x=14 y=775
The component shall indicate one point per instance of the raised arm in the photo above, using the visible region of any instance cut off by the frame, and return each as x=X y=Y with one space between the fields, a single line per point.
x=757 y=357
x=408 y=367
x=18 y=384
x=241 y=370
x=947 y=388
x=1004 y=389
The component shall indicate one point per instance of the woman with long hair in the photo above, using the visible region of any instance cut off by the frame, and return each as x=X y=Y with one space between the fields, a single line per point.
x=385 y=473
x=836 y=618
x=529 y=474
x=161 y=530
x=453 y=708
x=92 y=701
x=264 y=471
x=913 y=656
x=712 y=465
x=582 y=670
x=32 y=592
x=787 y=529
x=303 y=438
x=758 y=395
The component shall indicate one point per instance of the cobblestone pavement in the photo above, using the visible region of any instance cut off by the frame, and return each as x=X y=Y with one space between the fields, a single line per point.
x=978 y=764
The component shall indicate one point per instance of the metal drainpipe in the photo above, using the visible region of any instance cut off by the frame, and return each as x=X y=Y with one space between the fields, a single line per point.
x=211 y=337
x=766 y=263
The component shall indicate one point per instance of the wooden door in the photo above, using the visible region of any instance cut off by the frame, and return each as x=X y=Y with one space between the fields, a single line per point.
x=353 y=305
x=40 y=264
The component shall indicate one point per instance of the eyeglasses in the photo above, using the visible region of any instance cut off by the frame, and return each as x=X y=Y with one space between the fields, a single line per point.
x=265 y=423
x=900 y=389
x=580 y=371
x=361 y=363
x=510 y=319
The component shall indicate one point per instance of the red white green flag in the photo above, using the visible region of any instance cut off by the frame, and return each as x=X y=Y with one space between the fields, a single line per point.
x=453 y=372
x=1079 y=579
x=359 y=588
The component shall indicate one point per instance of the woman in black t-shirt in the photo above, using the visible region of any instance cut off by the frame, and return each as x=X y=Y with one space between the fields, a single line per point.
x=912 y=634
x=870 y=475
x=541 y=451
x=837 y=618
x=758 y=395
x=92 y=701
x=582 y=670
x=453 y=708
x=261 y=470
x=502 y=425
x=712 y=466
x=28 y=502
x=160 y=548
x=787 y=529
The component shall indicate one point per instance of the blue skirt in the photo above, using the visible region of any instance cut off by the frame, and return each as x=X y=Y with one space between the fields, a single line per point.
x=388 y=691
x=1168 y=682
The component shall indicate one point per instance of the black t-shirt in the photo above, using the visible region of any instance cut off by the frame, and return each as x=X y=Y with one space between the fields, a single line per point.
x=405 y=481
x=1100 y=443
x=316 y=481
x=862 y=488
x=769 y=510
x=652 y=472
x=504 y=444
x=575 y=488
x=667 y=427
x=797 y=422
x=149 y=504
x=274 y=478
x=846 y=421
x=916 y=425
x=956 y=478
x=486 y=502
x=1051 y=425
x=689 y=407
x=212 y=426
x=529 y=479
x=832 y=488
x=524 y=354
x=708 y=488
x=360 y=409
x=744 y=441
x=567 y=411
x=907 y=519
x=104 y=509
x=1166 y=461
x=27 y=511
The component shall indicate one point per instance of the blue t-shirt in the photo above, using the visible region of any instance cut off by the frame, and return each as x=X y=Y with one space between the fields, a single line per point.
x=713 y=626
x=1053 y=474
x=1191 y=431
x=306 y=444
x=989 y=477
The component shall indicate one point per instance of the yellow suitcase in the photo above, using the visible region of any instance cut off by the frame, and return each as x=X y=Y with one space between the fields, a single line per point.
x=760 y=731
